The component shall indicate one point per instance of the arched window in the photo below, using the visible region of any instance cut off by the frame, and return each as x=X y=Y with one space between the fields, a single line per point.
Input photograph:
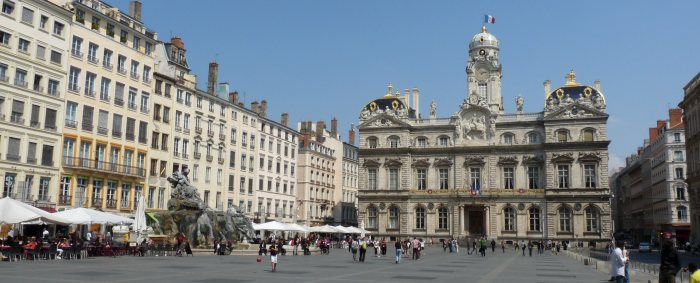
x=588 y=135
x=372 y=142
x=592 y=219
x=508 y=138
x=393 y=142
x=565 y=219
x=562 y=136
x=393 y=218
x=534 y=215
x=372 y=217
x=420 y=218
x=533 y=138
x=509 y=219
x=442 y=218
x=682 y=212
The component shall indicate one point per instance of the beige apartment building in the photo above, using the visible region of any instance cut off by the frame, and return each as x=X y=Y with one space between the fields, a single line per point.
x=108 y=107
x=691 y=117
x=33 y=49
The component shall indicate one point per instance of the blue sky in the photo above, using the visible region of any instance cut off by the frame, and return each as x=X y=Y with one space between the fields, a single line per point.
x=319 y=59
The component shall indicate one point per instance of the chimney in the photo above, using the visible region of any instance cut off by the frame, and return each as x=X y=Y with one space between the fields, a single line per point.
x=416 y=107
x=547 y=88
x=177 y=41
x=334 y=127
x=596 y=85
x=240 y=104
x=653 y=132
x=263 y=108
x=254 y=107
x=407 y=98
x=213 y=73
x=320 y=126
x=351 y=135
x=233 y=97
x=675 y=118
x=135 y=10
x=285 y=119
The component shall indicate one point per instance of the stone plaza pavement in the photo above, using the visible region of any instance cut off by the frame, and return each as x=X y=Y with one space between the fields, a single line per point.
x=435 y=266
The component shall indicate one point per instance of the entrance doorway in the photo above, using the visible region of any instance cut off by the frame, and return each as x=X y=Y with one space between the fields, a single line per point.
x=476 y=222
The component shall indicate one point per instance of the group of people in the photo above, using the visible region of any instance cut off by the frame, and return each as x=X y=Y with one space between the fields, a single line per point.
x=31 y=247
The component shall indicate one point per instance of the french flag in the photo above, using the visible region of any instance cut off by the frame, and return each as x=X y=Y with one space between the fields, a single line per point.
x=489 y=19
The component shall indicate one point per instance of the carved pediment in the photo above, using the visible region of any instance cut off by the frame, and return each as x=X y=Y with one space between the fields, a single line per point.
x=383 y=121
x=443 y=162
x=371 y=162
x=393 y=162
x=563 y=157
x=589 y=156
x=421 y=162
x=575 y=110
x=474 y=161
x=508 y=160
x=532 y=159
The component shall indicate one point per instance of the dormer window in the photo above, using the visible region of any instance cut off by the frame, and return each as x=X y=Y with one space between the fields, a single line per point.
x=562 y=136
x=508 y=138
x=372 y=142
x=588 y=135
x=394 y=142
x=443 y=141
x=532 y=138
x=422 y=142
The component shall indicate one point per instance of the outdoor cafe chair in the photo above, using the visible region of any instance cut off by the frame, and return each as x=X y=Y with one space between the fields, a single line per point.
x=14 y=252
x=168 y=249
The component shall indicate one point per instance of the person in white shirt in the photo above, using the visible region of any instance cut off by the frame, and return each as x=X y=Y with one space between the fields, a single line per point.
x=45 y=234
x=11 y=233
x=88 y=235
x=618 y=263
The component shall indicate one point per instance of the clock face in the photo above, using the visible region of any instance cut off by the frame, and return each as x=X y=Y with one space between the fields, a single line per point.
x=482 y=74
x=482 y=52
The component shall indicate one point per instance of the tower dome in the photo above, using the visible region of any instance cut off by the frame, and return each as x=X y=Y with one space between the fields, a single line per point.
x=483 y=39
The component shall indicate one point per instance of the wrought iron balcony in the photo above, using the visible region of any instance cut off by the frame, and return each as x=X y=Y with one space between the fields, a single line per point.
x=97 y=202
x=64 y=199
x=111 y=203
x=102 y=166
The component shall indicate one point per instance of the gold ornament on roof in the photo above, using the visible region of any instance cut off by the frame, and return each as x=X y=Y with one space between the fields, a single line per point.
x=395 y=104
x=560 y=94
x=571 y=79
x=390 y=87
x=373 y=106
x=587 y=92
x=483 y=28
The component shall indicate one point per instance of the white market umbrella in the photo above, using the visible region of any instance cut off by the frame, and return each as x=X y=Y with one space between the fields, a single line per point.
x=324 y=229
x=353 y=230
x=15 y=212
x=272 y=226
x=342 y=229
x=140 y=225
x=83 y=215
x=297 y=227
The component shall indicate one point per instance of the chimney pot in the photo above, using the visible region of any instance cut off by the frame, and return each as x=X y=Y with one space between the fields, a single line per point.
x=285 y=119
x=351 y=135
x=254 y=106
x=263 y=108
x=177 y=41
x=334 y=127
x=596 y=85
x=213 y=74
x=233 y=97
x=135 y=10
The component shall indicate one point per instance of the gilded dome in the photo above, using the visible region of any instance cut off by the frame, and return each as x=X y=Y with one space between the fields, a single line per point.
x=483 y=39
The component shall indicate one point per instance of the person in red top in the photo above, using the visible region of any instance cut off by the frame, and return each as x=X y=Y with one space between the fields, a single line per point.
x=31 y=245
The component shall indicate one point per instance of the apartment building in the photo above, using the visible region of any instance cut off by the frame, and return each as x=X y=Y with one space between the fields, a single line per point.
x=33 y=40
x=108 y=108
x=346 y=212
x=320 y=173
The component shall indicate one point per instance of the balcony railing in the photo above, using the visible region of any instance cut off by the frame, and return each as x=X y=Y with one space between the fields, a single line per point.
x=97 y=202
x=46 y=162
x=130 y=136
x=210 y=158
x=185 y=155
x=210 y=133
x=134 y=75
x=125 y=204
x=107 y=65
x=197 y=155
x=34 y=124
x=119 y=102
x=93 y=59
x=43 y=198
x=222 y=137
x=132 y=106
x=116 y=134
x=71 y=123
x=31 y=160
x=121 y=71
x=102 y=131
x=74 y=88
x=89 y=93
x=87 y=126
x=198 y=130
x=102 y=166
x=76 y=53
x=21 y=83
x=221 y=160
x=111 y=203
x=64 y=199
x=12 y=157
x=17 y=119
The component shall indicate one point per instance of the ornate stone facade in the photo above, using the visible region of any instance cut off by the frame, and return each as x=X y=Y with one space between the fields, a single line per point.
x=483 y=171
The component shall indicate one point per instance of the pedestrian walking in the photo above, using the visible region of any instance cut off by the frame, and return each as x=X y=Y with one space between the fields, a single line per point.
x=363 y=249
x=670 y=264
x=397 y=245
x=522 y=246
x=627 y=262
x=273 y=257
x=482 y=246
x=493 y=245
x=473 y=246
x=416 y=249
x=455 y=243
x=503 y=246
x=618 y=264
x=529 y=247
x=445 y=245
x=354 y=245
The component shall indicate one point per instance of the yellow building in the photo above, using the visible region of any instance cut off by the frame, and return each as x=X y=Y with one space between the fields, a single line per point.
x=107 y=110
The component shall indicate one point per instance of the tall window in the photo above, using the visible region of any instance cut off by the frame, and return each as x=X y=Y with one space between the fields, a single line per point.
x=677 y=155
x=677 y=137
x=680 y=193
x=532 y=138
x=444 y=178
x=442 y=218
x=372 y=142
x=422 y=142
x=422 y=178
x=682 y=212
x=475 y=178
x=393 y=179
x=483 y=89
x=565 y=218
x=563 y=176
x=509 y=219
x=393 y=218
x=508 y=138
x=588 y=135
x=534 y=214
x=533 y=177
x=589 y=175
x=443 y=141
x=372 y=178
x=393 y=142
x=679 y=173
x=508 y=177
x=592 y=219
x=372 y=218
x=420 y=218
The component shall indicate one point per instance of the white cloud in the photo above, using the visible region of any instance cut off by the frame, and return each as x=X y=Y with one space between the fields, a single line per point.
x=614 y=162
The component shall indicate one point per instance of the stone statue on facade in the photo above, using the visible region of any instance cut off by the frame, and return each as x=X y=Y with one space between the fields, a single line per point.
x=598 y=102
x=365 y=113
x=433 y=109
x=519 y=103
x=551 y=103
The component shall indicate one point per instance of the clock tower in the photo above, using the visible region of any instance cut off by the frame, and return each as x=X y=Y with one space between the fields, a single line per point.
x=484 y=71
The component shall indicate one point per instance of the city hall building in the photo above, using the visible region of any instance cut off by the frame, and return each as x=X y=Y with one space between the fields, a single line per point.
x=483 y=171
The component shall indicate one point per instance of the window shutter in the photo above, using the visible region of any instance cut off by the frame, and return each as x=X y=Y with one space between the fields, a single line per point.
x=47 y=154
x=130 y=125
x=35 y=113
x=119 y=91
x=102 y=119
x=27 y=15
x=40 y=51
x=117 y=123
x=56 y=57
x=87 y=115
x=31 y=151
x=18 y=107
x=50 y=119
x=13 y=146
